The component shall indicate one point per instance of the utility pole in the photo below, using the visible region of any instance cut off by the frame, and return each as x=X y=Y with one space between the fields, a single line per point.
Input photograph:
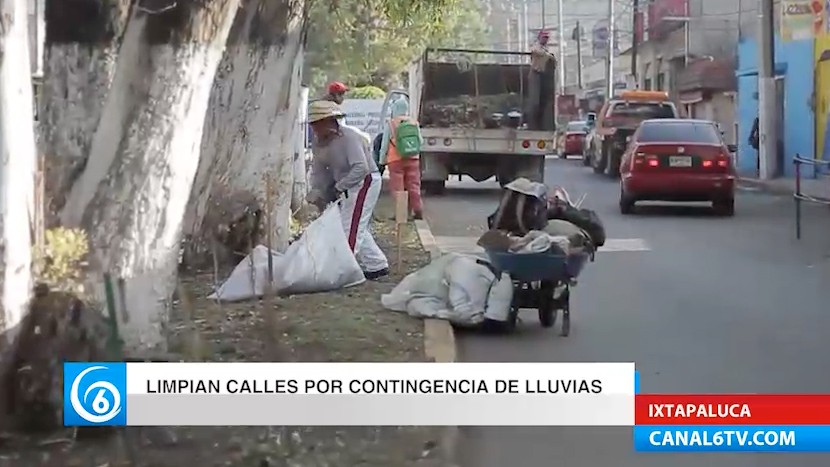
x=543 y=14
x=635 y=23
x=686 y=35
x=526 y=29
x=561 y=25
x=560 y=89
x=609 y=92
x=767 y=128
x=577 y=36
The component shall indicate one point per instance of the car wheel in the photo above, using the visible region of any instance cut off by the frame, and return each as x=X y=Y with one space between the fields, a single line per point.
x=626 y=203
x=724 y=207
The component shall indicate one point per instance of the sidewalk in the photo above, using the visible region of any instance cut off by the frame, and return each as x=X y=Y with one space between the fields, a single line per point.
x=815 y=187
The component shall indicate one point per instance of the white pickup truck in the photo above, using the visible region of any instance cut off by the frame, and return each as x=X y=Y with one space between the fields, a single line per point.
x=497 y=145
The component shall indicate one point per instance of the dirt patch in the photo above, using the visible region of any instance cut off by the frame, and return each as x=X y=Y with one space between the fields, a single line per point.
x=348 y=325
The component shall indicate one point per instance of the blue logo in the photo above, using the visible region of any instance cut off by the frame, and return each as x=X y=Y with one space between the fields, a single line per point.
x=94 y=393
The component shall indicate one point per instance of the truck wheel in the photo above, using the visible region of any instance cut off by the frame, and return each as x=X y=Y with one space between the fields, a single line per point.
x=613 y=166
x=434 y=187
x=599 y=163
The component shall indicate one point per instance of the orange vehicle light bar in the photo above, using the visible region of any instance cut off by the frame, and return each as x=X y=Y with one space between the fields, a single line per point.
x=645 y=95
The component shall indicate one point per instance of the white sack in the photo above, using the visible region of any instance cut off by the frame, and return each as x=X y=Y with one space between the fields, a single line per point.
x=248 y=281
x=320 y=260
x=453 y=287
x=469 y=287
x=500 y=299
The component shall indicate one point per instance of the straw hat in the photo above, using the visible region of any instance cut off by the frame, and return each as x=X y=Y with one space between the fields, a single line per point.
x=323 y=109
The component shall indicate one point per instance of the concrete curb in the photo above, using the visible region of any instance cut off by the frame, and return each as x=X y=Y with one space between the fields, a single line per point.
x=439 y=343
x=765 y=186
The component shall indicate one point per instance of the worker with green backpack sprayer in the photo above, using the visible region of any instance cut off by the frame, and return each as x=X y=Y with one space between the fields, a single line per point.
x=400 y=151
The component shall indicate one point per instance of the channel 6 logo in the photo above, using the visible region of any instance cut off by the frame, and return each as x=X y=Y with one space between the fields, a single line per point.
x=94 y=394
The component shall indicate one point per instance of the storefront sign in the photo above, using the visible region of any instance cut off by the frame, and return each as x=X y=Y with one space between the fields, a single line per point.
x=802 y=19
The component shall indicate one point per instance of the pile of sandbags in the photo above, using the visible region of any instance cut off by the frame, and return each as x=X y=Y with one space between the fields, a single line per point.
x=467 y=111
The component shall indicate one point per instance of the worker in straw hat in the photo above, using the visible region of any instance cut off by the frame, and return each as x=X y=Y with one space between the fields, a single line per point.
x=341 y=155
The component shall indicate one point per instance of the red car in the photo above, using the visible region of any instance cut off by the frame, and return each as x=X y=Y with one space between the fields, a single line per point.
x=574 y=138
x=678 y=160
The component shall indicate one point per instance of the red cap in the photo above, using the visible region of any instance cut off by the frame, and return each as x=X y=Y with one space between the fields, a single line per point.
x=336 y=87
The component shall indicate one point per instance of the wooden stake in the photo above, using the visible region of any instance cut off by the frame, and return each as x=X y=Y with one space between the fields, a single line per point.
x=401 y=217
x=268 y=198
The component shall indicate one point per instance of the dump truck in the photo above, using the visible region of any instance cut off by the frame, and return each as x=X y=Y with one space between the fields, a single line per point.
x=470 y=104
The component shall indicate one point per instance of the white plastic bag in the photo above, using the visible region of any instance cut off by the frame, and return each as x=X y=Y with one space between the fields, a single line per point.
x=321 y=260
x=248 y=278
x=469 y=287
x=500 y=299
x=453 y=287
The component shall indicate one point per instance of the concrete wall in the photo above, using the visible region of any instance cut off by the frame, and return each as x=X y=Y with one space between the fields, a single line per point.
x=794 y=61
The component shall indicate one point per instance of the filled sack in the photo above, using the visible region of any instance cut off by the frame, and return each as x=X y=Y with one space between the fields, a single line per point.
x=585 y=219
x=523 y=207
x=319 y=261
x=454 y=287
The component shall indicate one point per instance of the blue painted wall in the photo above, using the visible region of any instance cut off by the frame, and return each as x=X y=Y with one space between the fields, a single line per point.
x=794 y=60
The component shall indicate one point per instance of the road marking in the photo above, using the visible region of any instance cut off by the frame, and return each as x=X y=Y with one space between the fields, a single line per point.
x=468 y=245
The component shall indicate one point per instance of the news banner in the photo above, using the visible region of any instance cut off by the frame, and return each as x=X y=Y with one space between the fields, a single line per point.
x=439 y=394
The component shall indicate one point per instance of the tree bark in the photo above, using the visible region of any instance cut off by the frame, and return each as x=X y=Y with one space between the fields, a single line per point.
x=133 y=191
x=300 y=176
x=79 y=67
x=17 y=167
x=251 y=125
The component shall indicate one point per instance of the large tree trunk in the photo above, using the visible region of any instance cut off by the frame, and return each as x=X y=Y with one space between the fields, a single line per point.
x=251 y=122
x=300 y=174
x=79 y=67
x=132 y=194
x=17 y=167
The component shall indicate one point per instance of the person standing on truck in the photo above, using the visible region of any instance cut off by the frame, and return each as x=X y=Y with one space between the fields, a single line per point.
x=540 y=83
x=336 y=92
x=340 y=155
x=400 y=151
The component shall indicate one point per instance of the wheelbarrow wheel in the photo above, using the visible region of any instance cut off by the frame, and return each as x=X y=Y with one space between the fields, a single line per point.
x=509 y=325
x=565 y=306
x=547 y=308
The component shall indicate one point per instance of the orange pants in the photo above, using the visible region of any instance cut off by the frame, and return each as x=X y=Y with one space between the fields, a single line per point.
x=405 y=175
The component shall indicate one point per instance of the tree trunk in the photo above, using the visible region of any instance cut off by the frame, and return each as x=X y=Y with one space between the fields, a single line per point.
x=300 y=175
x=251 y=123
x=17 y=167
x=133 y=191
x=79 y=68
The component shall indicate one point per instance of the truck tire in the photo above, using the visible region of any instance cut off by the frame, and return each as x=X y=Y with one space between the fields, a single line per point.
x=434 y=187
x=599 y=161
x=613 y=166
x=530 y=167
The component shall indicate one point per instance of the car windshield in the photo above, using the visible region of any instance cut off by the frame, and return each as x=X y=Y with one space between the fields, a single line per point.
x=577 y=126
x=632 y=113
x=681 y=131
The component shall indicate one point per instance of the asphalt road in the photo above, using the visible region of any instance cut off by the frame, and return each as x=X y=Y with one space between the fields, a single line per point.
x=702 y=304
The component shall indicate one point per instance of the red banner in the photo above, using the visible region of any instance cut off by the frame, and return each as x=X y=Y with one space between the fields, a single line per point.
x=639 y=27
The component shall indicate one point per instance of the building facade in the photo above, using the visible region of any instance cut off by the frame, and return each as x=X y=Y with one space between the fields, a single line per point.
x=796 y=117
